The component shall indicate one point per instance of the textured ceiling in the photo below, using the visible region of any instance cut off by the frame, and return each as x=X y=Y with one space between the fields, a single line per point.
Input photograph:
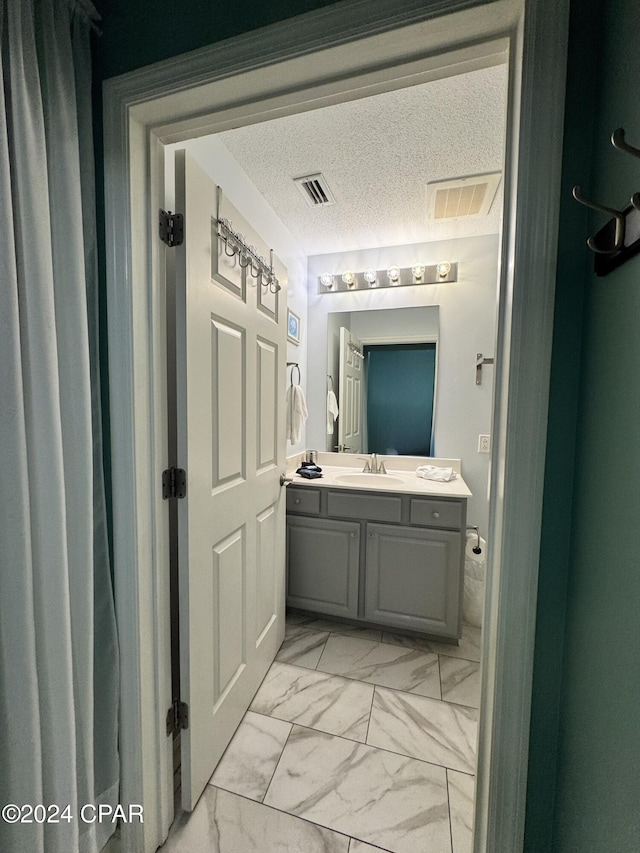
x=377 y=154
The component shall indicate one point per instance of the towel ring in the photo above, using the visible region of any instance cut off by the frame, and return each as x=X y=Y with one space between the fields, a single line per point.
x=297 y=367
x=330 y=378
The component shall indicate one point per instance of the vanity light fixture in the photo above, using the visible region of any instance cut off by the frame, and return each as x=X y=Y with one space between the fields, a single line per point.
x=326 y=280
x=393 y=274
x=443 y=268
x=417 y=271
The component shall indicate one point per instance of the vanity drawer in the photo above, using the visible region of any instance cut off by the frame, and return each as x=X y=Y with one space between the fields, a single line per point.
x=365 y=506
x=303 y=500
x=433 y=513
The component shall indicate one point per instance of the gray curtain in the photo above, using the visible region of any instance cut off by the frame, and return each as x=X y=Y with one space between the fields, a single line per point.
x=58 y=642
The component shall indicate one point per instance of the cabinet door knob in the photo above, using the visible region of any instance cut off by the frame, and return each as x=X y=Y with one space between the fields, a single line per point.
x=296 y=501
x=436 y=515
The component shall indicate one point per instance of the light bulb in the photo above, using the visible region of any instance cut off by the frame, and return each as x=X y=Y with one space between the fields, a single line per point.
x=393 y=274
x=443 y=268
x=326 y=280
x=349 y=278
x=370 y=276
x=417 y=271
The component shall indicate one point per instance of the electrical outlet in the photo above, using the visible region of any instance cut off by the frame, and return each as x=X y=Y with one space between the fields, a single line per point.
x=484 y=444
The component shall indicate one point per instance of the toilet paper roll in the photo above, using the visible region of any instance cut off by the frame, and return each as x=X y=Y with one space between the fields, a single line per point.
x=472 y=541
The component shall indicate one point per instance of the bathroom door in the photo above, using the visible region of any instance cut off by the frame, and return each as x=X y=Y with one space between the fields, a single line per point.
x=350 y=393
x=230 y=356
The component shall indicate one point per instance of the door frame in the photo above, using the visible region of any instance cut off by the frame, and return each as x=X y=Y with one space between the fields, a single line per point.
x=298 y=64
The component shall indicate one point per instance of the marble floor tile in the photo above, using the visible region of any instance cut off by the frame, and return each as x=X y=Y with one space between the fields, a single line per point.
x=461 y=804
x=361 y=633
x=362 y=847
x=319 y=624
x=249 y=761
x=328 y=703
x=460 y=681
x=302 y=646
x=381 y=663
x=468 y=648
x=226 y=823
x=424 y=728
x=375 y=796
x=292 y=618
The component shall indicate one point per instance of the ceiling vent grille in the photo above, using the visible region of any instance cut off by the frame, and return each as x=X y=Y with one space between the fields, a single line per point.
x=460 y=197
x=315 y=190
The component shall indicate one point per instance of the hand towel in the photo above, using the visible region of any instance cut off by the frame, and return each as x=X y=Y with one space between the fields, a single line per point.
x=297 y=413
x=432 y=472
x=332 y=411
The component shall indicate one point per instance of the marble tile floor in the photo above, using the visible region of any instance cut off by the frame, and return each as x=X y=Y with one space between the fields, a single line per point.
x=358 y=741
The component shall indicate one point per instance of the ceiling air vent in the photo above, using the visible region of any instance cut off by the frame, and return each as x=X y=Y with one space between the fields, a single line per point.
x=316 y=190
x=458 y=197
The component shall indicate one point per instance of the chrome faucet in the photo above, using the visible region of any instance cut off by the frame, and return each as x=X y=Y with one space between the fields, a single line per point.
x=371 y=464
x=377 y=466
x=367 y=465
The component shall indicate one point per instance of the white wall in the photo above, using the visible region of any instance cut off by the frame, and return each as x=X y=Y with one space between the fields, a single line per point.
x=467 y=326
x=420 y=322
x=216 y=160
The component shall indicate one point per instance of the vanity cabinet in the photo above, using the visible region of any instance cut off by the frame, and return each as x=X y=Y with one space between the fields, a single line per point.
x=394 y=560
x=323 y=558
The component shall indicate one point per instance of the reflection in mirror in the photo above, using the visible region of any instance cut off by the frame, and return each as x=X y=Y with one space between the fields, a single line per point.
x=382 y=367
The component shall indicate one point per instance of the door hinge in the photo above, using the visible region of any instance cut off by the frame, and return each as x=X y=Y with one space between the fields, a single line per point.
x=177 y=717
x=171 y=228
x=174 y=483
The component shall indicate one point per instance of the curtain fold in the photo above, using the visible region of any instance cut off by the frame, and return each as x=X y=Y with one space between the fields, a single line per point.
x=58 y=642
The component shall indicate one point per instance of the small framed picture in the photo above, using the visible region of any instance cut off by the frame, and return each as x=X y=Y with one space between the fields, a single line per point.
x=293 y=327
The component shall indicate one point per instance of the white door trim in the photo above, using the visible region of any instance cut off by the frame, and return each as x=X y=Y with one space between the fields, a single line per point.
x=317 y=62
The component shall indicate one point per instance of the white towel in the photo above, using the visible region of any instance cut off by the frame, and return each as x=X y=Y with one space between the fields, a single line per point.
x=332 y=411
x=297 y=413
x=432 y=472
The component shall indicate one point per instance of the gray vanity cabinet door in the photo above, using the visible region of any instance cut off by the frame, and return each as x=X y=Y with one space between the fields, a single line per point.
x=414 y=578
x=322 y=565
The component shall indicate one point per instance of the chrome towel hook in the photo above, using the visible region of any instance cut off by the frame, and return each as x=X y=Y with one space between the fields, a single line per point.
x=618 y=215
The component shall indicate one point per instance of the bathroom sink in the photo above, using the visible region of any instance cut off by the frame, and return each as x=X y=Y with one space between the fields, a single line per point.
x=356 y=479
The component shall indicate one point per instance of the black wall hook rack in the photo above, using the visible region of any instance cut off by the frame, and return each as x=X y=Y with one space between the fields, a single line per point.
x=619 y=239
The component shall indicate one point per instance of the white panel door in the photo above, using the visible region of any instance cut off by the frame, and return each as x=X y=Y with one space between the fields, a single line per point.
x=350 y=393
x=231 y=353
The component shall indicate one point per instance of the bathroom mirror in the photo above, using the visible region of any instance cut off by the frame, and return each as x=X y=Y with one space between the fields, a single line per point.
x=382 y=368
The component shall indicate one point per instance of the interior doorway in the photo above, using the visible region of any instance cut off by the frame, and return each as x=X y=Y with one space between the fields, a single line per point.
x=395 y=388
x=138 y=319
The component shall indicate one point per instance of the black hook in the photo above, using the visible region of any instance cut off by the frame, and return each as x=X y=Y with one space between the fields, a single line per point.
x=618 y=240
x=617 y=140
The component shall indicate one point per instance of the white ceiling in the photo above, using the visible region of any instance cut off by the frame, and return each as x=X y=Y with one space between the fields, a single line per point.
x=377 y=154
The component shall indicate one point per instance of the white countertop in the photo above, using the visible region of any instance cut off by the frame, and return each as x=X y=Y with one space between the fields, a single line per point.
x=400 y=477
